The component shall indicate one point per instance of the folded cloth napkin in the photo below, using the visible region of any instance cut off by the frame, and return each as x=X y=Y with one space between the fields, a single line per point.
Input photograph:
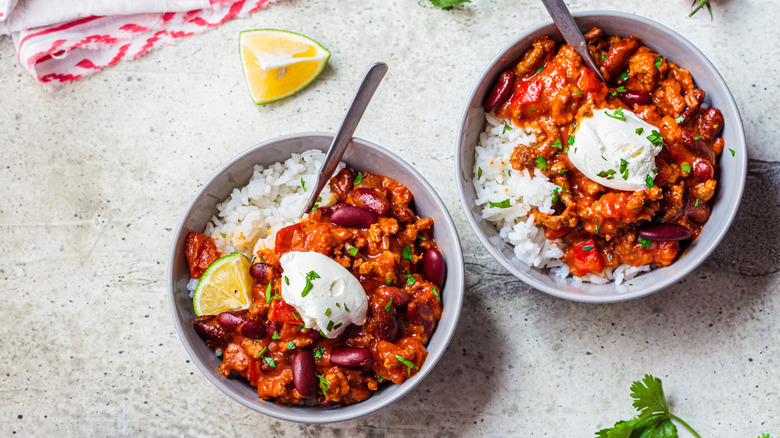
x=61 y=41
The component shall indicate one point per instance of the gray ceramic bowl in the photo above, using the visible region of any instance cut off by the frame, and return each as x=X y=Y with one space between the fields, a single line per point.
x=361 y=155
x=732 y=169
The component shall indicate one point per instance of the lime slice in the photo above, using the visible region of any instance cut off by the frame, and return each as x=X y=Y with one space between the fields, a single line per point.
x=226 y=285
x=278 y=63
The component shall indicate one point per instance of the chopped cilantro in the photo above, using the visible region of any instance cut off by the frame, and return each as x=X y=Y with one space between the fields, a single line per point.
x=324 y=385
x=352 y=251
x=300 y=326
x=275 y=336
x=223 y=234
x=697 y=203
x=608 y=174
x=327 y=311
x=358 y=178
x=303 y=184
x=577 y=93
x=410 y=280
x=621 y=89
x=309 y=285
x=557 y=144
x=733 y=153
x=409 y=364
x=649 y=181
x=623 y=76
x=541 y=162
x=268 y=290
x=318 y=353
x=645 y=242
x=656 y=138
x=503 y=204
x=555 y=196
x=435 y=293
x=269 y=361
x=618 y=114
x=658 y=62
x=685 y=168
x=571 y=141
x=290 y=346
x=506 y=128
x=479 y=172
x=639 y=131
x=389 y=305
x=588 y=248
x=679 y=119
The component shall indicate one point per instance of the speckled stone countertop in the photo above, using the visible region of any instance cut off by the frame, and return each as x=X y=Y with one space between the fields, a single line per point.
x=96 y=176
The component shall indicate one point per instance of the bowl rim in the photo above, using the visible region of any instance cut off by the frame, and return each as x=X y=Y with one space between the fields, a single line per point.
x=346 y=412
x=668 y=280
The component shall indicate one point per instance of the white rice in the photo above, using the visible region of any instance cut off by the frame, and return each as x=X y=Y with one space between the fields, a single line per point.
x=495 y=181
x=273 y=199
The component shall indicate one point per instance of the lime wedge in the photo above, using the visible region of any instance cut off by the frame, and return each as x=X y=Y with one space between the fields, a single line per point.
x=226 y=285
x=278 y=63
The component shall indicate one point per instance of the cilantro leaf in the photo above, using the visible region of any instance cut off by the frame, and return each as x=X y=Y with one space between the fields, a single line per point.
x=649 y=396
x=654 y=419
x=448 y=4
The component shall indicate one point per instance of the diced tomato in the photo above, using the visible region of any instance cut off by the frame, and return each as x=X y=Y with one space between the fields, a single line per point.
x=585 y=258
x=527 y=92
x=254 y=372
x=285 y=238
x=589 y=81
x=282 y=312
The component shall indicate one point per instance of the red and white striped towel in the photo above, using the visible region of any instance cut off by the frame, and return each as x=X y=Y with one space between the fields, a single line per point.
x=60 y=41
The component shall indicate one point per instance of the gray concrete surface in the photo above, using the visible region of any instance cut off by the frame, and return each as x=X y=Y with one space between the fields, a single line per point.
x=96 y=175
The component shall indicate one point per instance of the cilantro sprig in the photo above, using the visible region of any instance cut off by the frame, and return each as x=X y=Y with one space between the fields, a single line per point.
x=448 y=4
x=654 y=419
x=701 y=3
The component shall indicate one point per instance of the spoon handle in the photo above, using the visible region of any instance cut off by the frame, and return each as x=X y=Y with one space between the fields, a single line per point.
x=344 y=134
x=571 y=33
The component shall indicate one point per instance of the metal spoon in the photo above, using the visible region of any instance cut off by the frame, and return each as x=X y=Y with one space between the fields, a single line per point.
x=344 y=135
x=571 y=33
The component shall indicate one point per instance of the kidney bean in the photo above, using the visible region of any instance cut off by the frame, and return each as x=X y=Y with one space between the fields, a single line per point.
x=387 y=326
x=229 y=320
x=351 y=216
x=697 y=213
x=710 y=124
x=500 y=92
x=664 y=231
x=342 y=183
x=433 y=267
x=351 y=356
x=421 y=313
x=371 y=200
x=303 y=371
x=399 y=296
x=206 y=329
x=698 y=146
x=252 y=329
x=635 y=98
x=274 y=326
x=703 y=170
x=261 y=272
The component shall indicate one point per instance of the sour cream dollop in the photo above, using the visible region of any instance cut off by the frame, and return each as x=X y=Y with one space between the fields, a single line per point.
x=327 y=296
x=613 y=149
